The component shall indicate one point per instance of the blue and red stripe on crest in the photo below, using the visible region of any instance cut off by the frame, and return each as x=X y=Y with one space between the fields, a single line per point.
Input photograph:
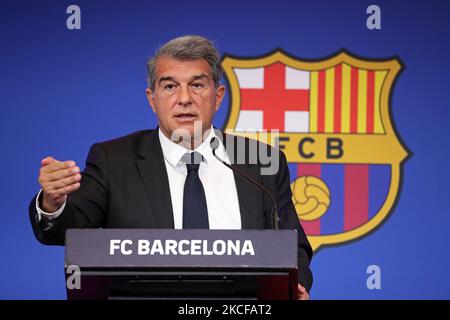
x=357 y=194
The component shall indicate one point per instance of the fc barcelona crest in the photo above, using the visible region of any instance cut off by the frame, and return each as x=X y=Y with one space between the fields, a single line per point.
x=335 y=128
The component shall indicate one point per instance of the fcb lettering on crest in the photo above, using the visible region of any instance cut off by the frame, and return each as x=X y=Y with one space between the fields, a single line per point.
x=335 y=128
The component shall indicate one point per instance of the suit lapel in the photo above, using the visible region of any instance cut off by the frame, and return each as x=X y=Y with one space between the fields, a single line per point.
x=154 y=175
x=248 y=195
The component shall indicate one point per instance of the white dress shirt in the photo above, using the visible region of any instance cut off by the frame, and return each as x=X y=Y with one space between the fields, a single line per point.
x=217 y=179
x=218 y=183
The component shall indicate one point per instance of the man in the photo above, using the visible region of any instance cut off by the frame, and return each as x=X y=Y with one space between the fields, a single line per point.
x=148 y=179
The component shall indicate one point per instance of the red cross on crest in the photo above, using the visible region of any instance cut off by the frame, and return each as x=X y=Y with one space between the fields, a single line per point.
x=274 y=99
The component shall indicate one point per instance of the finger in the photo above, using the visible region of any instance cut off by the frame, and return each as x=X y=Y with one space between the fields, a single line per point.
x=62 y=183
x=302 y=293
x=301 y=289
x=59 y=165
x=61 y=174
x=47 y=160
x=304 y=296
x=58 y=193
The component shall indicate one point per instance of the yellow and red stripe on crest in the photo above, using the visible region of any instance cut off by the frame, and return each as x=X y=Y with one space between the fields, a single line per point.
x=345 y=99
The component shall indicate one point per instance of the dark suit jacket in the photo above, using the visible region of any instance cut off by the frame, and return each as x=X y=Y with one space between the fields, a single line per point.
x=125 y=185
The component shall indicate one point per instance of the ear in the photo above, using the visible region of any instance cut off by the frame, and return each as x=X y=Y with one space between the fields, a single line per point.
x=220 y=93
x=150 y=98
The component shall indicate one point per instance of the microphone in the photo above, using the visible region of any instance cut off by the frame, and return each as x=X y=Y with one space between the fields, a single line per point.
x=214 y=144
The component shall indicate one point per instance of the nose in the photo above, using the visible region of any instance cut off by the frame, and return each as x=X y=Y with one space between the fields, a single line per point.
x=184 y=96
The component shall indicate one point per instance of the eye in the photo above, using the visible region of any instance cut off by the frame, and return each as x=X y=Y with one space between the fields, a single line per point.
x=169 y=87
x=198 y=85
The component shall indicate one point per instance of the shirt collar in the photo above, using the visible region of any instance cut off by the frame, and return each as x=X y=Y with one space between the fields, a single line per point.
x=173 y=152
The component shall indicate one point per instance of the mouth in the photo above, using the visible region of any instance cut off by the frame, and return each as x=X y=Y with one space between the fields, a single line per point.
x=186 y=117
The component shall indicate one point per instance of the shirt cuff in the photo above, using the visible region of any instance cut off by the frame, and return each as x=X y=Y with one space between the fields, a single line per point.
x=48 y=215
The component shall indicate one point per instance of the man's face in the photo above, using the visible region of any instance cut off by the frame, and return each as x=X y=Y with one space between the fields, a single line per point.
x=184 y=93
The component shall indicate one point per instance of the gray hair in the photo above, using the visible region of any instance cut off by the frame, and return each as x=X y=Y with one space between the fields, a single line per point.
x=186 y=48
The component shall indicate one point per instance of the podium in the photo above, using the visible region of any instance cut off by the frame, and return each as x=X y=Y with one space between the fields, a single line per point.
x=181 y=264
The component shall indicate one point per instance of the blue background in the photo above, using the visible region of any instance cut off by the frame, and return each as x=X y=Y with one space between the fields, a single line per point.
x=63 y=90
